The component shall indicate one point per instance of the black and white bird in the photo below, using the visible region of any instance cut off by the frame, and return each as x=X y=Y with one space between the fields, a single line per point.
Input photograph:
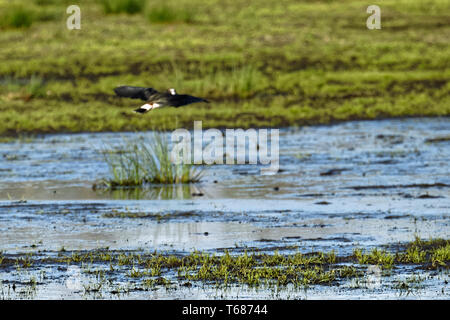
x=155 y=99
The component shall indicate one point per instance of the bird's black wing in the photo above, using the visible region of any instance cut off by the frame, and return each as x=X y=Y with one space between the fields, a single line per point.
x=135 y=92
x=184 y=99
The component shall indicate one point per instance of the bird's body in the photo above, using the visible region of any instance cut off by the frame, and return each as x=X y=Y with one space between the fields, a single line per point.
x=155 y=99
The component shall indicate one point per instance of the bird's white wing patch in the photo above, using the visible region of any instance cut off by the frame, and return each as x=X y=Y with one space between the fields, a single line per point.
x=146 y=106
x=172 y=91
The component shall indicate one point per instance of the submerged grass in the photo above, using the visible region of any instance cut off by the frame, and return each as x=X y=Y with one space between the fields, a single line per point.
x=249 y=268
x=147 y=162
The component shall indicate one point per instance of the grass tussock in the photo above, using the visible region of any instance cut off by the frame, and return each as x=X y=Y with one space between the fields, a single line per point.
x=434 y=251
x=155 y=12
x=123 y=6
x=22 y=17
x=17 y=17
x=146 y=162
x=164 y=13
x=375 y=257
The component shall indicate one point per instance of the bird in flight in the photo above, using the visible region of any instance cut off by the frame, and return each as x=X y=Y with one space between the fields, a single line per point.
x=155 y=99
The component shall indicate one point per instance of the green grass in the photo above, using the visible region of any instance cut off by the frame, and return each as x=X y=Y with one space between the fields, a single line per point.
x=265 y=64
x=146 y=162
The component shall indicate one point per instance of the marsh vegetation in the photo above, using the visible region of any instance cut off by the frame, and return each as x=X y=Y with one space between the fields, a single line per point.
x=145 y=161
x=270 y=63
x=146 y=271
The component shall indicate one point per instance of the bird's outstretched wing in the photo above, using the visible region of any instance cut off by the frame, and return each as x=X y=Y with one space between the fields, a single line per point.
x=135 y=92
x=184 y=99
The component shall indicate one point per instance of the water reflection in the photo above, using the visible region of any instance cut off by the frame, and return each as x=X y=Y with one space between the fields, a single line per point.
x=159 y=192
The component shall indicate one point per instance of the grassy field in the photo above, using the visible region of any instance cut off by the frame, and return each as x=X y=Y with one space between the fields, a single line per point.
x=260 y=63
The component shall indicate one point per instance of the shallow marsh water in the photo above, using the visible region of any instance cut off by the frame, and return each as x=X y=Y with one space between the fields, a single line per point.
x=364 y=184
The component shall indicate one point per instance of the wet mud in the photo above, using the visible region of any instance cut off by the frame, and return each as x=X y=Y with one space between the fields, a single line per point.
x=367 y=184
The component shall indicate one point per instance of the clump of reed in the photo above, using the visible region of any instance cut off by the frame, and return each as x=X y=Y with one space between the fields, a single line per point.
x=146 y=162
